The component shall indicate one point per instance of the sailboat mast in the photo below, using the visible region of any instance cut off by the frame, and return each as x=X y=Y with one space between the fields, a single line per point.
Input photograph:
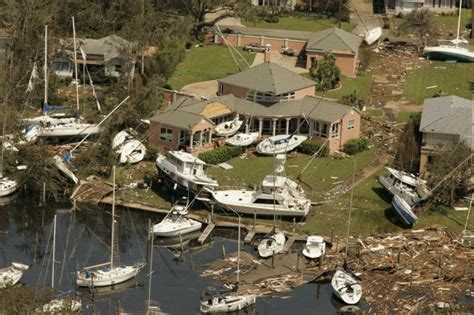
x=459 y=23
x=113 y=220
x=54 y=251
x=238 y=255
x=350 y=208
x=75 y=62
x=3 y=141
x=151 y=273
x=45 y=68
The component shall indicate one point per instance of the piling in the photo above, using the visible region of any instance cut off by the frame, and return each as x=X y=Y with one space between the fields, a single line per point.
x=254 y=219
x=273 y=260
x=223 y=251
x=181 y=244
x=321 y=261
x=297 y=262
x=212 y=212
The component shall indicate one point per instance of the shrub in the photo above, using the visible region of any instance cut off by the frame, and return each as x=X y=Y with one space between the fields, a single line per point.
x=353 y=99
x=189 y=45
x=310 y=147
x=354 y=146
x=221 y=154
x=151 y=153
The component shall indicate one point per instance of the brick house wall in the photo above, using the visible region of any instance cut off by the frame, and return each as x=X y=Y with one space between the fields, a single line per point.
x=310 y=91
x=346 y=62
x=237 y=91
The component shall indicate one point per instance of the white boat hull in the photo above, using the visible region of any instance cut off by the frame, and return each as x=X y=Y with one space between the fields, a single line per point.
x=7 y=187
x=132 y=151
x=315 y=247
x=11 y=275
x=271 y=245
x=242 y=139
x=230 y=303
x=64 y=169
x=373 y=35
x=105 y=277
x=173 y=231
x=346 y=287
x=449 y=53
x=228 y=128
x=69 y=130
x=119 y=139
x=280 y=144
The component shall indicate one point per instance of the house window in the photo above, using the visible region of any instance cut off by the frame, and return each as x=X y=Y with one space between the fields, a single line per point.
x=166 y=135
x=183 y=136
x=320 y=129
x=335 y=131
x=351 y=124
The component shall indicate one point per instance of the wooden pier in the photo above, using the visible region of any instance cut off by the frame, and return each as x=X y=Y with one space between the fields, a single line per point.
x=248 y=238
x=205 y=234
x=288 y=244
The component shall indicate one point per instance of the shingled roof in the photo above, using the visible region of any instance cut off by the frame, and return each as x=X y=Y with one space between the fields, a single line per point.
x=448 y=115
x=334 y=39
x=268 y=77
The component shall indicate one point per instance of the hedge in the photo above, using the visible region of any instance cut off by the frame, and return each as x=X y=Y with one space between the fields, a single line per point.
x=354 y=146
x=221 y=154
x=310 y=147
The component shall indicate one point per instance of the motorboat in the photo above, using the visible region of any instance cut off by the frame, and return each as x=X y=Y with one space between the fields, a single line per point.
x=226 y=303
x=7 y=186
x=10 y=276
x=315 y=247
x=346 y=287
x=175 y=222
x=412 y=189
x=371 y=36
x=184 y=170
x=61 y=306
x=403 y=210
x=278 y=195
x=242 y=139
x=109 y=273
x=280 y=144
x=271 y=244
x=228 y=128
x=132 y=151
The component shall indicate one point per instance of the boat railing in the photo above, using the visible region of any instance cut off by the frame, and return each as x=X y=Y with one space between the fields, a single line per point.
x=96 y=266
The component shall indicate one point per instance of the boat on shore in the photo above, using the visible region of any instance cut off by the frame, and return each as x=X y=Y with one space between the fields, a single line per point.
x=346 y=287
x=271 y=244
x=280 y=144
x=403 y=210
x=373 y=35
x=315 y=247
x=228 y=128
x=225 y=303
x=132 y=152
x=10 y=276
x=412 y=189
x=242 y=139
x=182 y=170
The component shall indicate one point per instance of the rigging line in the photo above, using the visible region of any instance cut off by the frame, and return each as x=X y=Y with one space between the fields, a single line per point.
x=65 y=253
x=92 y=234
x=136 y=234
x=43 y=262
x=230 y=50
x=313 y=157
x=232 y=46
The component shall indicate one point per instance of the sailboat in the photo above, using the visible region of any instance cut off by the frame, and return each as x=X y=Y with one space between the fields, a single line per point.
x=271 y=244
x=225 y=303
x=59 y=305
x=71 y=128
x=228 y=128
x=242 y=139
x=108 y=273
x=7 y=186
x=343 y=283
x=280 y=144
x=450 y=50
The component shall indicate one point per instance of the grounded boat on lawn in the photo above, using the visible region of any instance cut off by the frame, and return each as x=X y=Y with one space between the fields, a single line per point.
x=184 y=170
x=278 y=195
x=10 y=276
x=315 y=247
x=120 y=138
x=68 y=130
x=412 y=189
x=242 y=139
x=228 y=128
x=403 y=210
x=175 y=223
x=132 y=151
x=271 y=244
x=226 y=303
x=346 y=287
x=371 y=36
x=7 y=186
x=280 y=144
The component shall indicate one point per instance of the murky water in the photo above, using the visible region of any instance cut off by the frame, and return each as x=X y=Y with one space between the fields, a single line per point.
x=83 y=239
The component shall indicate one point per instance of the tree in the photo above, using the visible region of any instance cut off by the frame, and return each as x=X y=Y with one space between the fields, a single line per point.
x=327 y=73
x=353 y=99
x=407 y=157
x=445 y=161
x=420 y=22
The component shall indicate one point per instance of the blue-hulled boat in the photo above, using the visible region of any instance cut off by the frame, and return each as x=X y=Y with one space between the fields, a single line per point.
x=403 y=210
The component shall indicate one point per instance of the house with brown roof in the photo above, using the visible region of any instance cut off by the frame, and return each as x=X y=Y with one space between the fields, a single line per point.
x=445 y=121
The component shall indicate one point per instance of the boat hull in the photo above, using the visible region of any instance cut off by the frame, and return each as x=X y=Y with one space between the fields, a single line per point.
x=266 y=147
x=170 y=232
x=117 y=275
x=346 y=287
x=67 y=132
x=403 y=210
x=448 y=54
x=385 y=182
x=271 y=245
x=242 y=139
x=7 y=187
x=228 y=305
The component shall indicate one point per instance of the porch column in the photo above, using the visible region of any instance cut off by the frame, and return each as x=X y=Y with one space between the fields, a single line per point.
x=260 y=127
x=287 y=130
x=191 y=140
x=200 y=138
x=310 y=129
x=239 y=38
x=274 y=120
x=298 y=125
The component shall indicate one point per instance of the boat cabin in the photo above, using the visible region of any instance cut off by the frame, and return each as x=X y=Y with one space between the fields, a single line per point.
x=186 y=163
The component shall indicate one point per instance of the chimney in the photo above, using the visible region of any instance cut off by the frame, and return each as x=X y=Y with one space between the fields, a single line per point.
x=266 y=56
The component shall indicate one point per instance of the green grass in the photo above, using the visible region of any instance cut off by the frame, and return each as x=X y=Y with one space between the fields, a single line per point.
x=316 y=179
x=374 y=112
x=361 y=83
x=307 y=23
x=403 y=117
x=371 y=213
x=457 y=79
x=451 y=22
x=206 y=63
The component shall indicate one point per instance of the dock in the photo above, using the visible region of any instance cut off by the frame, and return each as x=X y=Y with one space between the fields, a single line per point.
x=205 y=234
x=288 y=244
x=248 y=238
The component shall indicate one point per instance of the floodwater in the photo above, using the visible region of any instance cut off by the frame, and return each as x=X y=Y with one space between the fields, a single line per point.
x=83 y=238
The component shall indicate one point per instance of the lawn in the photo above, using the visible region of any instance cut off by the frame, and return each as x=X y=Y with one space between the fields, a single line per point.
x=307 y=23
x=372 y=213
x=457 y=79
x=361 y=83
x=403 y=117
x=206 y=63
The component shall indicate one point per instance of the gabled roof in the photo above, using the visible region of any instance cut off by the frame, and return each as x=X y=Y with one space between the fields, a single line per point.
x=334 y=39
x=268 y=77
x=181 y=119
x=448 y=115
x=110 y=47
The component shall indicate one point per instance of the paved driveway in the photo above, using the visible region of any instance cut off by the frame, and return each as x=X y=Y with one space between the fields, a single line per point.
x=288 y=62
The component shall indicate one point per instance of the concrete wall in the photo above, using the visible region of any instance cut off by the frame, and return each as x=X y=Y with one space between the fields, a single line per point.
x=346 y=62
